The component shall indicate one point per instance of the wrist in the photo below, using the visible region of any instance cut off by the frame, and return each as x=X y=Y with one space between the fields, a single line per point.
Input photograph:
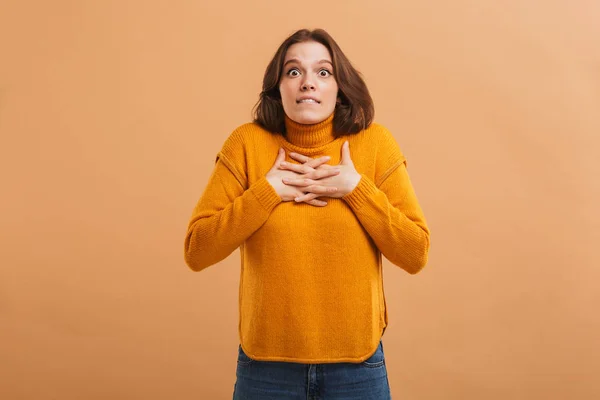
x=355 y=181
x=274 y=185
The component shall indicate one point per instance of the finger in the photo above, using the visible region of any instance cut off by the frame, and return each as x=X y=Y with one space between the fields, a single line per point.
x=305 y=197
x=313 y=163
x=301 y=169
x=317 y=161
x=280 y=156
x=323 y=173
x=318 y=203
x=298 y=181
x=320 y=189
x=346 y=153
x=300 y=157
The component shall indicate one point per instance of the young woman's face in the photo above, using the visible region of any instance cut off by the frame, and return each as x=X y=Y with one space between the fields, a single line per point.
x=308 y=72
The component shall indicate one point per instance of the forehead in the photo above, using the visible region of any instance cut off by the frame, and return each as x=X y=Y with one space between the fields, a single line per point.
x=307 y=52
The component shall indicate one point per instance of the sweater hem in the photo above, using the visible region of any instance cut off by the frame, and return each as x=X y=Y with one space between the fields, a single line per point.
x=352 y=360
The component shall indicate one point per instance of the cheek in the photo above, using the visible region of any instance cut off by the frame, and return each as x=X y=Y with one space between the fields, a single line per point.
x=286 y=85
x=332 y=92
x=286 y=93
x=332 y=88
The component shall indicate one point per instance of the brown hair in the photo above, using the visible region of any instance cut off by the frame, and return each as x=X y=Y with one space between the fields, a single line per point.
x=354 y=108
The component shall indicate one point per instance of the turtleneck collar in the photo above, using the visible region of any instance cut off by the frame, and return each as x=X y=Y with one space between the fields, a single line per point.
x=309 y=135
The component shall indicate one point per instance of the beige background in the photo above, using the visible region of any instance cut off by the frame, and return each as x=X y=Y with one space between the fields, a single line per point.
x=111 y=114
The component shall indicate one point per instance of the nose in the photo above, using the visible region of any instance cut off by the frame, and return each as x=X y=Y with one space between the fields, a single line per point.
x=307 y=85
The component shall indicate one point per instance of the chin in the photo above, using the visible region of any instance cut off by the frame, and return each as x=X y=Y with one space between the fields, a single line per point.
x=309 y=118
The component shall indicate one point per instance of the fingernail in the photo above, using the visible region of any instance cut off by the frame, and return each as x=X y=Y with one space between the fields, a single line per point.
x=283 y=163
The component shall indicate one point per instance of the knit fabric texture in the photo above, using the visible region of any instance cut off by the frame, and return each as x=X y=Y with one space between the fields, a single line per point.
x=311 y=278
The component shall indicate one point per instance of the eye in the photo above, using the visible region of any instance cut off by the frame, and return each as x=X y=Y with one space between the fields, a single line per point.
x=327 y=72
x=292 y=70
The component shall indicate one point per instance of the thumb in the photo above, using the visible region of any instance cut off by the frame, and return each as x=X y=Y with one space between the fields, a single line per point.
x=346 y=153
x=280 y=156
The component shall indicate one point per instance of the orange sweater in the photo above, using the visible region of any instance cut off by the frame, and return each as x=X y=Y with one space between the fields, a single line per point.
x=311 y=283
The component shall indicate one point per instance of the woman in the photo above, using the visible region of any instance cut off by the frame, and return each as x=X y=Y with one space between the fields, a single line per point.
x=313 y=193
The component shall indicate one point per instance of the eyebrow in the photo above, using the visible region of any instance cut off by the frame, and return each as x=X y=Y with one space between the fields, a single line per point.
x=291 y=60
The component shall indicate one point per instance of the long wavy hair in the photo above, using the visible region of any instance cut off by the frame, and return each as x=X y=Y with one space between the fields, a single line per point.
x=354 y=108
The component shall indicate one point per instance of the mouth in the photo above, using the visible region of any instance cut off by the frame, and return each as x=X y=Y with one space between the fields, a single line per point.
x=307 y=101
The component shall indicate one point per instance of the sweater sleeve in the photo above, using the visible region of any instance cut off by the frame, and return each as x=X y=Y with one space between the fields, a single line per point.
x=391 y=214
x=227 y=213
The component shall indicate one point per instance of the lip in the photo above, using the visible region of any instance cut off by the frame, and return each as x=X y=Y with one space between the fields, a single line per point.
x=307 y=97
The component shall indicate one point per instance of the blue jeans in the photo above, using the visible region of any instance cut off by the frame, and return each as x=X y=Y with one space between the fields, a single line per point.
x=275 y=380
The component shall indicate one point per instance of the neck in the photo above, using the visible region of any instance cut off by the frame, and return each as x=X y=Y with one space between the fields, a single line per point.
x=309 y=135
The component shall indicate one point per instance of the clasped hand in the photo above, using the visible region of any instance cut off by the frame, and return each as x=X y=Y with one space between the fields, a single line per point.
x=313 y=178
